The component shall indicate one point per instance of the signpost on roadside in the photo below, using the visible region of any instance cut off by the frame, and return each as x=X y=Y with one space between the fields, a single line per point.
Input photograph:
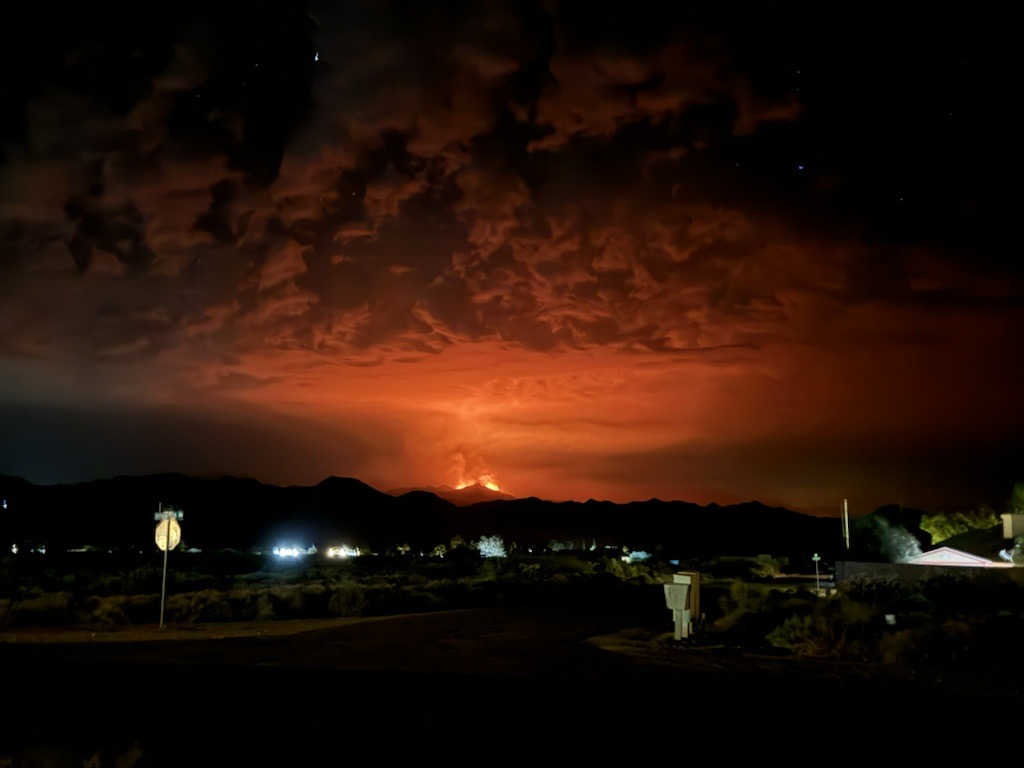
x=168 y=536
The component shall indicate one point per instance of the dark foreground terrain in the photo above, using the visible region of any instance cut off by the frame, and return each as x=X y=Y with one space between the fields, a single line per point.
x=512 y=685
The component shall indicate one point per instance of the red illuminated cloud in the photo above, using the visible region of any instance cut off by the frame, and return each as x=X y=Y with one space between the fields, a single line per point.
x=488 y=256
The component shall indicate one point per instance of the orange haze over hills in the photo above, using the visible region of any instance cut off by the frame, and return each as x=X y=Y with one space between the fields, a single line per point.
x=464 y=496
x=673 y=252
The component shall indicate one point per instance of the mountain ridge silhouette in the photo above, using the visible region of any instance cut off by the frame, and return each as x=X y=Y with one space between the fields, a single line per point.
x=463 y=497
x=243 y=513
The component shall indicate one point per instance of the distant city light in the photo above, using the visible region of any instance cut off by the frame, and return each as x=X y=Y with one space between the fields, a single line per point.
x=342 y=551
x=294 y=551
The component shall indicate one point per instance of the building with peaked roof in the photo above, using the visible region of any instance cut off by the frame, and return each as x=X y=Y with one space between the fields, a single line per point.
x=950 y=556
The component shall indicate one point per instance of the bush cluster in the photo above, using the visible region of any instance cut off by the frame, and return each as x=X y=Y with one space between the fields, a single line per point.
x=307 y=588
x=743 y=604
x=940 y=623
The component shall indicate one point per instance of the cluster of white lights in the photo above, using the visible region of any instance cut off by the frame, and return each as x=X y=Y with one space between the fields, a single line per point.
x=294 y=551
x=40 y=549
x=290 y=551
x=342 y=551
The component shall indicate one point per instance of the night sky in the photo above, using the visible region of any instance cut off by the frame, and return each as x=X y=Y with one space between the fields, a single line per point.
x=711 y=252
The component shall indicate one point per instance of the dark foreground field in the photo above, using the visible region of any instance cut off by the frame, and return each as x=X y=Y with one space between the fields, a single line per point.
x=512 y=685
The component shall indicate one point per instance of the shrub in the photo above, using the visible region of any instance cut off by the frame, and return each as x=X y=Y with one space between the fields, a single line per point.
x=114 y=610
x=945 y=525
x=745 y=598
x=489 y=570
x=622 y=569
x=807 y=635
x=297 y=601
x=570 y=564
x=46 y=608
x=528 y=571
x=491 y=546
x=751 y=611
x=946 y=645
x=766 y=568
x=264 y=606
x=820 y=633
x=193 y=607
x=898 y=648
x=346 y=600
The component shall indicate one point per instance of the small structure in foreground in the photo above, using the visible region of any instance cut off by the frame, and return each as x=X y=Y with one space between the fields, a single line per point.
x=682 y=597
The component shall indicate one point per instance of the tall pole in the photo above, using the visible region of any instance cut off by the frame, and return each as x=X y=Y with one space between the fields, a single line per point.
x=167 y=548
x=817 y=583
x=846 y=525
x=168 y=534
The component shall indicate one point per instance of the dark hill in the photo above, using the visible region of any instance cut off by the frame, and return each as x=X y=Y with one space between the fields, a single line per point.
x=470 y=494
x=240 y=513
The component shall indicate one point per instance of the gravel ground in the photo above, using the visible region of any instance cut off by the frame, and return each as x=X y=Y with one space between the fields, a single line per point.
x=388 y=642
x=501 y=686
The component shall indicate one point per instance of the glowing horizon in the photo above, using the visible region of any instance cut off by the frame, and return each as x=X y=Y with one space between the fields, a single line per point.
x=553 y=254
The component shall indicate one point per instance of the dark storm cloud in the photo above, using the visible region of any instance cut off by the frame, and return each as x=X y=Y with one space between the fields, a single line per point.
x=457 y=137
x=472 y=154
x=528 y=229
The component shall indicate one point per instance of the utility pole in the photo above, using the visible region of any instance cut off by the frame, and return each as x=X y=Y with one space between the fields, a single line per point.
x=846 y=526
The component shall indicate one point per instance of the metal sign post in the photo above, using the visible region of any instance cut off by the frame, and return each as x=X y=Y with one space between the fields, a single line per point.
x=168 y=536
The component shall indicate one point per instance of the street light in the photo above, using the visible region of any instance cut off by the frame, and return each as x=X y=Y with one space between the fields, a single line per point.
x=817 y=588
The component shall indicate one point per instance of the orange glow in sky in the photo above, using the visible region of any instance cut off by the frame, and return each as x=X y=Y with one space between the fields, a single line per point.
x=527 y=256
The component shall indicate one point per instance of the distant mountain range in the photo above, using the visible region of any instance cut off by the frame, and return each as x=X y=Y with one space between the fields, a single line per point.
x=462 y=497
x=240 y=513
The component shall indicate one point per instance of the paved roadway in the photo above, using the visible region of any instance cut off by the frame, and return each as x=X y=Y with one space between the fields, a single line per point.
x=495 y=686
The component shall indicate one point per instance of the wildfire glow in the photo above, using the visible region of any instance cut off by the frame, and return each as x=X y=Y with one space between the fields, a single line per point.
x=486 y=480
